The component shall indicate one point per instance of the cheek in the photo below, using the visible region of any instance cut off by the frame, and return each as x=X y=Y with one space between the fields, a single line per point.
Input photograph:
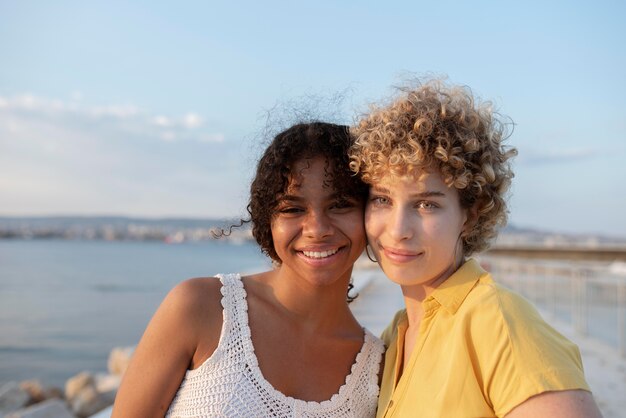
x=370 y=220
x=279 y=230
x=354 y=226
x=374 y=226
x=444 y=231
x=440 y=228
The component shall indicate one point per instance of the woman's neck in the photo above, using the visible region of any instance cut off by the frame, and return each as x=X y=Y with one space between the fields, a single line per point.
x=313 y=307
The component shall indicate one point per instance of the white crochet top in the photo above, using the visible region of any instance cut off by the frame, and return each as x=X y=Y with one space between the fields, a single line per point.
x=230 y=383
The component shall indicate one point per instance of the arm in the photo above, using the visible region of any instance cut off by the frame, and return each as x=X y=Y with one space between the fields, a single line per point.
x=172 y=343
x=565 y=404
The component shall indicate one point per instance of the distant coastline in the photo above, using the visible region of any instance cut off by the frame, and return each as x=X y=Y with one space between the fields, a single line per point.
x=178 y=230
x=118 y=228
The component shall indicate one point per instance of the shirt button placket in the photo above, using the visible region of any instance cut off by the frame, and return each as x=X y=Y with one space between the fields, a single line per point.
x=389 y=408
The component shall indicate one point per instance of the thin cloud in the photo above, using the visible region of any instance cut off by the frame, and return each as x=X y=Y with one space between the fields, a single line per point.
x=192 y=121
x=123 y=118
x=162 y=121
x=68 y=157
x=556 y=156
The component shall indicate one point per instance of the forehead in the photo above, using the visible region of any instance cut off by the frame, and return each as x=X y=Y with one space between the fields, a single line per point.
x=310 y=172
x=417 y=180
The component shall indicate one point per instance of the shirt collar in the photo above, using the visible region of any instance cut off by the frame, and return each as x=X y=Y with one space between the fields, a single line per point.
x=452 y=292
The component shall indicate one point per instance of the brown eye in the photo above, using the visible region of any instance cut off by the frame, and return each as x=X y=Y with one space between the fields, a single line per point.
x=290 y=209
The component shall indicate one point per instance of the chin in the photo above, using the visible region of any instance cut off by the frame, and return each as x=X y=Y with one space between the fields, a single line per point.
x=403 y=276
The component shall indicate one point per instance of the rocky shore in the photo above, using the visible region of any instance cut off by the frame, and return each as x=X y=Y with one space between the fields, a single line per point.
x=83 y=396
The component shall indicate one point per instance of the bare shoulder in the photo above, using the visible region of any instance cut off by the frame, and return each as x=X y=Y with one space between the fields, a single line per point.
x=201 y=295
x=198 y=303
x=566 y=403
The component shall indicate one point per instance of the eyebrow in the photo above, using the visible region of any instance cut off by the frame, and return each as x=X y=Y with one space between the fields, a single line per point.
x=427 y=193
x=296 y=198
x=290 y=197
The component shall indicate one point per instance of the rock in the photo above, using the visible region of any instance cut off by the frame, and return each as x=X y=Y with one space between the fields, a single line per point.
x=75 y=384
x=12 y=397
x=87 y=394
x=89 y=401
x=107 y=382
x=38 y=392
x=53 y=392
x=35 y=390
x=52 y=408
x=119 y=359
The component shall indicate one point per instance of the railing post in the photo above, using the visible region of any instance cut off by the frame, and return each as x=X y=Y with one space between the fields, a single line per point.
x=551 y=294
x=584 y=300
x=621 y=314
x=574 y=302
x=579 y=302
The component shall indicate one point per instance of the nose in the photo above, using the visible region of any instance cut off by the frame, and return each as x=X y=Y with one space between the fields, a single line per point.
x=317 y=224
x=400 y=225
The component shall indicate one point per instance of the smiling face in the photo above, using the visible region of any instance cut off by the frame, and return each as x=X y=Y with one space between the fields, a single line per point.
x=317 y=233
x=413 y=225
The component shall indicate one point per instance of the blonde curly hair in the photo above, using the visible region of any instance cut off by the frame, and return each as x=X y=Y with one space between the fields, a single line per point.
x=440 y=126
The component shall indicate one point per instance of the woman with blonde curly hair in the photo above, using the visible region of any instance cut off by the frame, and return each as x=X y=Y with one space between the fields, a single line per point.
x=464 y=346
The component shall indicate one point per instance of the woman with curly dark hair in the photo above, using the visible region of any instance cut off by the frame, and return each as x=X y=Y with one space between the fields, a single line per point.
x=282 y=343
x=464 y=346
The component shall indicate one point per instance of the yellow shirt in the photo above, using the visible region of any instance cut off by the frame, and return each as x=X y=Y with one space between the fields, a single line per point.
x=481 y=351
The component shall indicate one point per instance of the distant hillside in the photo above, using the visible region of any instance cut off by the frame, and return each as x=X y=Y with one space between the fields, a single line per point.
x=513 y=235
x=117 y=228
x=95 y=221
x=189 y=229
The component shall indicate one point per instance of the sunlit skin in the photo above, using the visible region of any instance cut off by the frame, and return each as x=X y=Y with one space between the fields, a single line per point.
x=317 y=234
x=413 y=226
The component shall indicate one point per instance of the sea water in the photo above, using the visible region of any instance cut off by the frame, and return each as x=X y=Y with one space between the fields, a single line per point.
x=65 y=304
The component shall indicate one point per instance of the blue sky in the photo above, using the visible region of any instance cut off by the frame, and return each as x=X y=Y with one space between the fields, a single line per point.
x=158 y=108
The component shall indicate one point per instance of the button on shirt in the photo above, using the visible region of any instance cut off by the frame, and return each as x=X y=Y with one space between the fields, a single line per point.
x=481 y=350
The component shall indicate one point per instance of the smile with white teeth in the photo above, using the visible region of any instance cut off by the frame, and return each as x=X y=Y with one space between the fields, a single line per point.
x=320 y=254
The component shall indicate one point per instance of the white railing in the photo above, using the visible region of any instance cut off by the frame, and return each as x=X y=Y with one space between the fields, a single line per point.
x=585 y=294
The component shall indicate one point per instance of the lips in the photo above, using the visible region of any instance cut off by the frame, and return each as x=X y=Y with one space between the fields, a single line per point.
x=400 y=255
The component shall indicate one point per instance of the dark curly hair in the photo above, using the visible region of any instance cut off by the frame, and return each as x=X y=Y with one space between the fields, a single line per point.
x=305 y=140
